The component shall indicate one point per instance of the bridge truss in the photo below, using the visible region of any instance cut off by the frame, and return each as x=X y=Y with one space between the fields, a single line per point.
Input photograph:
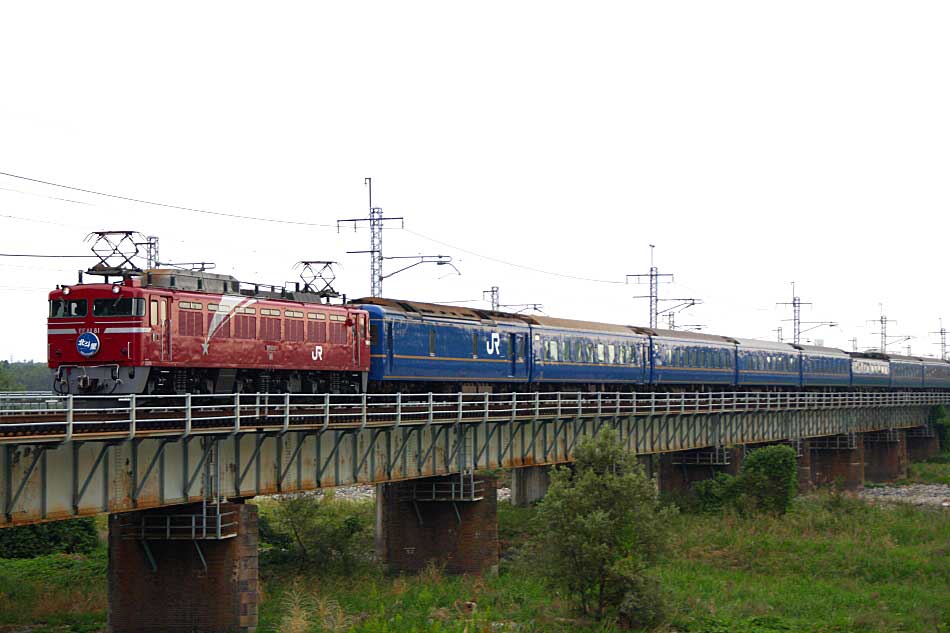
x=72 y=456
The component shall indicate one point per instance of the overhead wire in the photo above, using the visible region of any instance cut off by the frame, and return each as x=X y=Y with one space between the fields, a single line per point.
x=303 y=223
x=167 y=205
x=513 y=264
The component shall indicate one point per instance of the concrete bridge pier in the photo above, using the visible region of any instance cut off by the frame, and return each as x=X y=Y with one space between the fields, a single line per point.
x=838 y=459
x=885 y=455
x=529 y=484
x=805 y=481
x=922 y=443
x=451 y=521
x=168 y=572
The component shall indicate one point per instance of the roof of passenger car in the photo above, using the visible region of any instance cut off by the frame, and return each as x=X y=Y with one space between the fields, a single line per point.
x=573 y=324
x=824 y=351
x=686 y=336
x=419 y=309
x=771 y=345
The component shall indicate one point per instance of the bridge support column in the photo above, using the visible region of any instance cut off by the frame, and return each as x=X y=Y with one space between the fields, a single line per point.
x=443 y=520
x=529 y=484
x=838 y=460
x=677 y=471
x=805 y=481
x=921 y=447
x=885 y=455
x=180 y=584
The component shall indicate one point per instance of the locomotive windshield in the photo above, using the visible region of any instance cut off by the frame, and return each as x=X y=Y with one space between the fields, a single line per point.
x=67 y=308
x=123 y=306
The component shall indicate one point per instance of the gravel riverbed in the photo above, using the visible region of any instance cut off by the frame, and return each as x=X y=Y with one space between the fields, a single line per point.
x=931 y=495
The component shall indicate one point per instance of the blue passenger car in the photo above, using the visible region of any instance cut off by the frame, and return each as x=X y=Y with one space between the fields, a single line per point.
x=825 y=367
x=870 y=370
x=936 y=374
x=688 y=357
x=583 y=352
x=907 y=372
x=768 y=363
x=417 y=342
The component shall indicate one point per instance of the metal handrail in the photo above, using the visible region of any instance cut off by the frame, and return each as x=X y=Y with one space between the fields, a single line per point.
x=60 y=418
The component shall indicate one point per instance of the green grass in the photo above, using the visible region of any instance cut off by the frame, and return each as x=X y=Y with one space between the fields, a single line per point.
x=58 y=590
x=832 y=564
x=935 y=470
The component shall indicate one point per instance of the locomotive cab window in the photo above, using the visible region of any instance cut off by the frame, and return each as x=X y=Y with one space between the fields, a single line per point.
x=124 y=306
x=64 y=309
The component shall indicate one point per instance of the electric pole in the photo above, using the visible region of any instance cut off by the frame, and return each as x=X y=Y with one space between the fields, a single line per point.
x=882 y=321
x=796 y=319
x=654 y=279
x=854 y=344
x=778 y=332
x=493 y=297
x=943 y=341
x=376 y=221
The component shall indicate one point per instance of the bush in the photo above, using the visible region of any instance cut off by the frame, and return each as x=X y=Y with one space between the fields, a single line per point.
x=769 y=478
x=335 y=536
x=942 y=426
x=75 y=536
x=714 y=495
x=600 y=530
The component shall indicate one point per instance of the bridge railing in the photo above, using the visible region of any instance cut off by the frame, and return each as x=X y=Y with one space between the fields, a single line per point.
x=46 y=418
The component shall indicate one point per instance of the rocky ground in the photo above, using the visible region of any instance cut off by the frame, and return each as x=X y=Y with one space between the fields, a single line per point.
x=932 y=495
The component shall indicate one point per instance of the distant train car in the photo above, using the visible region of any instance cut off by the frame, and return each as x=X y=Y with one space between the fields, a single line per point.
x=578 y=353
x=427 y=347
x=870 y=370
x=680 y=358
x=825 y=367
x=936 y=374
x=907 y=372
x=767 y=363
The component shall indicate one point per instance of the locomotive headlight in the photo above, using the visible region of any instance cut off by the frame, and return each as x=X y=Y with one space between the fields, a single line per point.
x=115 y=290
x=66 y=290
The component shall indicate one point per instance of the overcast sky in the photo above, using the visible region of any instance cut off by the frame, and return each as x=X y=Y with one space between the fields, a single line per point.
x=753 y=143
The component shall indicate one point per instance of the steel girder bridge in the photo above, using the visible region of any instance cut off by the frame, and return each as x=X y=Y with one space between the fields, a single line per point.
x=67 y=456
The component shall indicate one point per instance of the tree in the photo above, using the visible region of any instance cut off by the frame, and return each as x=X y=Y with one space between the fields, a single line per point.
x=601 y=528
x=8 y=381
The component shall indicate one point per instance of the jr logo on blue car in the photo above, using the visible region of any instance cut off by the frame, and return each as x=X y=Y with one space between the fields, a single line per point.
x=87 y=344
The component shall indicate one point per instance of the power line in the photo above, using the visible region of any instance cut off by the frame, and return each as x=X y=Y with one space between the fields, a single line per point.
x=47 y=256
x=297 y=223
x=166 y=205
x=512 y=264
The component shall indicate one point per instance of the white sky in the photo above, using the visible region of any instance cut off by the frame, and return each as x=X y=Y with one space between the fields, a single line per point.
x=754 y=143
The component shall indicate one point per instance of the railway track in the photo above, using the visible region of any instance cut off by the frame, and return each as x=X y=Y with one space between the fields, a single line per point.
x=45 y=418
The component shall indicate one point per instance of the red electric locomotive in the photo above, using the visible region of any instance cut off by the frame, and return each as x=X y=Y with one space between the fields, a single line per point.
x=175 y=332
